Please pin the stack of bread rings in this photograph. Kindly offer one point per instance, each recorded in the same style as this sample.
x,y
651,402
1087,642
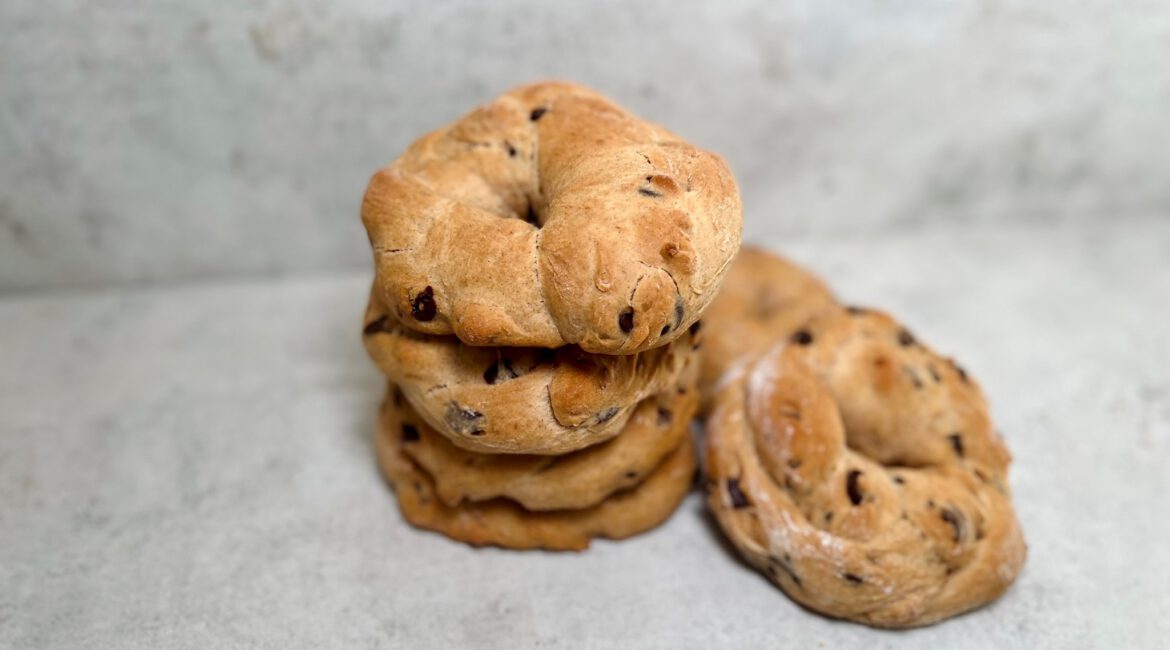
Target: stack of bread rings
x,y
541,266
540,269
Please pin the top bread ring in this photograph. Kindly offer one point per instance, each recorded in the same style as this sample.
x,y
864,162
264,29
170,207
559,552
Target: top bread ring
x,y
550,217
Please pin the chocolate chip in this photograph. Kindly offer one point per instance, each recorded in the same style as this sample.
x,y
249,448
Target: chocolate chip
x,y
679,310
956,444
856,311
423,306
959,369
510,148
492,373
644,191
537,113
409,433
899,480
852,488
802,337
465,420
930,504
631,475
738,499
905,338
828,516
380,325
607,414
695,327
665,329
626,320
664,415
955,519
852,577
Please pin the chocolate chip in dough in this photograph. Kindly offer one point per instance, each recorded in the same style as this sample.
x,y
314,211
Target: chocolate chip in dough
x,y
955,519
905,338
956,443
423,306
738,499
607,414
853,487
802,337
409,433
626,320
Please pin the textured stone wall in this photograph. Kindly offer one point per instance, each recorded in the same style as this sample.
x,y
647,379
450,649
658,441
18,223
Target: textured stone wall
x,y
157,141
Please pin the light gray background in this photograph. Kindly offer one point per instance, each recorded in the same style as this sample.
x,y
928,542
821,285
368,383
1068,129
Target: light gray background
x,y
155,141
185,407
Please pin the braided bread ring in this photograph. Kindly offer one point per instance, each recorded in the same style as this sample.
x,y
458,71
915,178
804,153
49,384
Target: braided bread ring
x,y
521,400
574,481
503,523
551,217
764,298
859,470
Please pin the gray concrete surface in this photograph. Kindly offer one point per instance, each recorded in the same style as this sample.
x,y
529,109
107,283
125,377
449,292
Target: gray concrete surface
x,y
190,467
169,140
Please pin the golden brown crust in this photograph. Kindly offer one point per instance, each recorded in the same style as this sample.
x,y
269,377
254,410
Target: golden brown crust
x,y
764,298
501,522
636,227
573,481
860,471
522,400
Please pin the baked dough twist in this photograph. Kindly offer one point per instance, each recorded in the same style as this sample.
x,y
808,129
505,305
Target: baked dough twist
x,y
573,481
551,217
522,400
501,522
763,299
859,470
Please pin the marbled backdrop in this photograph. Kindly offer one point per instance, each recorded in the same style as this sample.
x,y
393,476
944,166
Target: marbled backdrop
x,y
151,142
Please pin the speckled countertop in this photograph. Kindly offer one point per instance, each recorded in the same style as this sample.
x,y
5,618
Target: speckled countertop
x,y
190,467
